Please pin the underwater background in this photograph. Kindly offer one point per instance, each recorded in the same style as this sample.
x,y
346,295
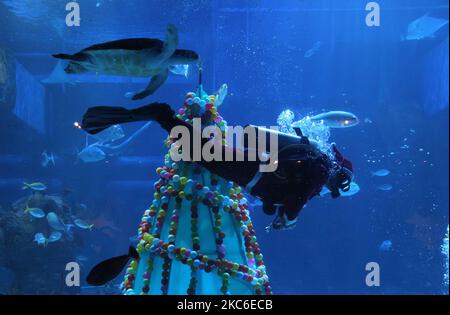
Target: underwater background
x,y
305,56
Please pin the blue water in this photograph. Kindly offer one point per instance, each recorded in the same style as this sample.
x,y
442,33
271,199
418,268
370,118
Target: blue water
x,y
306,56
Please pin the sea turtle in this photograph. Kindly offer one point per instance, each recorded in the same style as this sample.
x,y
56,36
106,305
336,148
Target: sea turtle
x,y
139,57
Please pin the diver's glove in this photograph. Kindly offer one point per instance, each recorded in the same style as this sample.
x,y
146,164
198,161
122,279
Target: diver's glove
x,y
340,179
281,223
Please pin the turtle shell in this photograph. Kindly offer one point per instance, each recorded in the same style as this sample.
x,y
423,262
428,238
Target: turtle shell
x,y
135,44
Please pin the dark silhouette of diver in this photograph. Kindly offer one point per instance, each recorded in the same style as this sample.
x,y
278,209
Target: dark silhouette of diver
x,y
302,169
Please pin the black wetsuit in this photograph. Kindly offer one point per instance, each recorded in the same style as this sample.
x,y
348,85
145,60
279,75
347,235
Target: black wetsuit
x,y
301,173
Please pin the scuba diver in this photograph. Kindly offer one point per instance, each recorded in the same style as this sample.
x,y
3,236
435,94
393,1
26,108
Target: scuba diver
x,y
302,169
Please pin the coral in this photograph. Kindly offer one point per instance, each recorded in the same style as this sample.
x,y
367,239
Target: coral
x,y
40,272
197,236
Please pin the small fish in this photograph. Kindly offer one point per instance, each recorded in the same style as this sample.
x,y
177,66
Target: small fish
x,y
424,27
35,212
129,95
381,172
92,153
337,119
54,237
385,187
83,225
34,186
110,134
40,239
385,246
354,189
47,159
81,258
180,70
109,269
317,45
56,223
221,95
310,52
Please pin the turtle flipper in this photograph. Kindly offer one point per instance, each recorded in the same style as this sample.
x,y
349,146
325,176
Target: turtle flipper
x,y
170,43
169,47
154,84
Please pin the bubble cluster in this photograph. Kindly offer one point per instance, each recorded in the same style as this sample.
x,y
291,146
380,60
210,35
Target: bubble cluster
x,y
314,130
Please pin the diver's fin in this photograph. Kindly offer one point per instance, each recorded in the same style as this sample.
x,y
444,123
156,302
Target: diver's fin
x,y
99,118
154,84
109,269
132,253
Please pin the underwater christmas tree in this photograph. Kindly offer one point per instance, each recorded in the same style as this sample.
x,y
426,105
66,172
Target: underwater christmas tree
x,y
197,236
